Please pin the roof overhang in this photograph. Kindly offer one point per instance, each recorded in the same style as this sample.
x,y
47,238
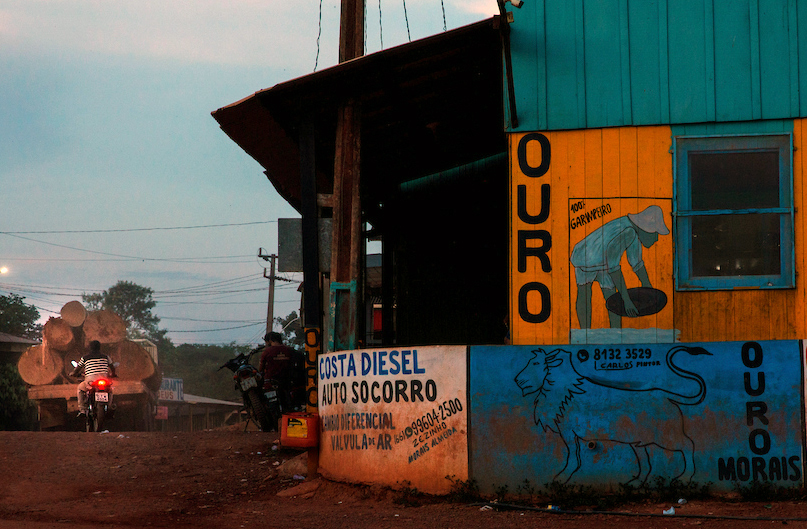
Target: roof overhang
x,y
426,107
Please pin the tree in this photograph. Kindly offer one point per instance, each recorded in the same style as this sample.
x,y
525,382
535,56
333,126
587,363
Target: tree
x,y
17,412
198,366
292,331
19,319
133,303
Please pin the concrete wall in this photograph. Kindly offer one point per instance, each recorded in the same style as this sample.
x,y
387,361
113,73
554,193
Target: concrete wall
x,y
396,417
601,415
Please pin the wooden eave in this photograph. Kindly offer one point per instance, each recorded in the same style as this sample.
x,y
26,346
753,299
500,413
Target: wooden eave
x,y
427,106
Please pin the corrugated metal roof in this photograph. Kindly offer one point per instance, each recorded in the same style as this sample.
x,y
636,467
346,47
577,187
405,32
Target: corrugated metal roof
x,y
427,106
9,338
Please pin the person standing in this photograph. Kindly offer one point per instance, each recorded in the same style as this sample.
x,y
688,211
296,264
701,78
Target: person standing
x,y
282,363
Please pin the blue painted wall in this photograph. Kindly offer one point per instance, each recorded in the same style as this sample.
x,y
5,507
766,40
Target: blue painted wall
x,y
723,412
585,64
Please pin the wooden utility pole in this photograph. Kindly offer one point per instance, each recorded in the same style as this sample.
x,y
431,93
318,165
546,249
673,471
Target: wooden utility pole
x,y
351,30
346,207
346,243
270,305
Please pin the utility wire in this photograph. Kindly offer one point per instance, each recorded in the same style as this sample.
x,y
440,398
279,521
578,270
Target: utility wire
x,y
251,322
222,329
140,229
380,26
258,336
169,303
213,292
196,260
214,288
241,279
319,34
406,17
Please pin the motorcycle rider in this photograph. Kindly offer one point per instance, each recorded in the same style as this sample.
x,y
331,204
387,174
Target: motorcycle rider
x,y
95,365
280,362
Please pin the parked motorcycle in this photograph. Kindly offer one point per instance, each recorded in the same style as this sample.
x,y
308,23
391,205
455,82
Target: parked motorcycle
x,y
260,396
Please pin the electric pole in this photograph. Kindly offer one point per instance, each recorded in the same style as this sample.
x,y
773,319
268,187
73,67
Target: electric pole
x,y
346,252
270,306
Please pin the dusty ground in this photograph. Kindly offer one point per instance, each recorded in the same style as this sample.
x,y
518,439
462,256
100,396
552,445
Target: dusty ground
x,y
235,479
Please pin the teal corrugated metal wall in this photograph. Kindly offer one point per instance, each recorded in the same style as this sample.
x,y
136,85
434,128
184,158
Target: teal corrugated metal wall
x,y
604,63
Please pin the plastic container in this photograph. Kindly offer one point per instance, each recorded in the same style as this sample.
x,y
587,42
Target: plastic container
x,y
299,430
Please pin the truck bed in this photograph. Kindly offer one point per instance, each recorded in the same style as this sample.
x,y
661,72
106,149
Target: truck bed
x,y
68,391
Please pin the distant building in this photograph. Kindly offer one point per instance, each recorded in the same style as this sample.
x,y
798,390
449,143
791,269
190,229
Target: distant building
x,y
11,347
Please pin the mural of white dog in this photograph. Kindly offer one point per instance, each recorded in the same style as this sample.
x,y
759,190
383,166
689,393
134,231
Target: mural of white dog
x,y
578,408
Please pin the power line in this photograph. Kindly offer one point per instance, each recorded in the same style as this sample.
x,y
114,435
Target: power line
x,y
43,296
198,290
380,27
124,230
319,34
212,292
406,17
251,322
170,303
194,260
241,279
221,329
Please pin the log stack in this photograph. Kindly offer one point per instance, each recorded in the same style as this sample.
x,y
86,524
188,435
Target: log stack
x,y
66,339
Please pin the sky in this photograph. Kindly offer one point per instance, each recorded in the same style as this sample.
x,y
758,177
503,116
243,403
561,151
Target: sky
x,y
112,168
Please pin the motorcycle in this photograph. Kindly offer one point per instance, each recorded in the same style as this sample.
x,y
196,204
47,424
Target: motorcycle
x,y
99,404
100,407
260,396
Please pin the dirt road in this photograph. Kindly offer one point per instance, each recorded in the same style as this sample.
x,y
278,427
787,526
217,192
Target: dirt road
x,y
234,479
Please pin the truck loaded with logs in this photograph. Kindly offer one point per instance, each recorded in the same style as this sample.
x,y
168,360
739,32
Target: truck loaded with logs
x,y
65,339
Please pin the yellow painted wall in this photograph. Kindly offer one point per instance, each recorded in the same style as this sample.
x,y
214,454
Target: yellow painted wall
x,y
624,169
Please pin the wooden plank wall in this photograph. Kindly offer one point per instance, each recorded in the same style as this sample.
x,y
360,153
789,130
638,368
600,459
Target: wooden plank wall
x,y
630,168
749,314
613,63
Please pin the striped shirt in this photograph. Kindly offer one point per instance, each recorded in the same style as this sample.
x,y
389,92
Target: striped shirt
x,y
95,364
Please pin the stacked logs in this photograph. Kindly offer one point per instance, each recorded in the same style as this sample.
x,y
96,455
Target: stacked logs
x,y
66,339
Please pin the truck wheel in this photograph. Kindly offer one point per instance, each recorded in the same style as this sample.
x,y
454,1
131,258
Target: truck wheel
x,y
259,412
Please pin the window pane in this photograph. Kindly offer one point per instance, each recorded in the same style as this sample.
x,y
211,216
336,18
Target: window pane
x,y
734,245
734,180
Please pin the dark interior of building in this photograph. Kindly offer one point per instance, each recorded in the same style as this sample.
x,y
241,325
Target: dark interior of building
x,y
434,173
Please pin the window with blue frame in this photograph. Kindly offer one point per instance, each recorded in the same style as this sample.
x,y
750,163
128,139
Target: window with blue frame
x,y
734,212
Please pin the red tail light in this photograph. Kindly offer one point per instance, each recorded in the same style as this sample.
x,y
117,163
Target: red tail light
x,y
101,383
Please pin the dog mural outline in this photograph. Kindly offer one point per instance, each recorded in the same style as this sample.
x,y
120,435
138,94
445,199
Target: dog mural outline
x,y
564,400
